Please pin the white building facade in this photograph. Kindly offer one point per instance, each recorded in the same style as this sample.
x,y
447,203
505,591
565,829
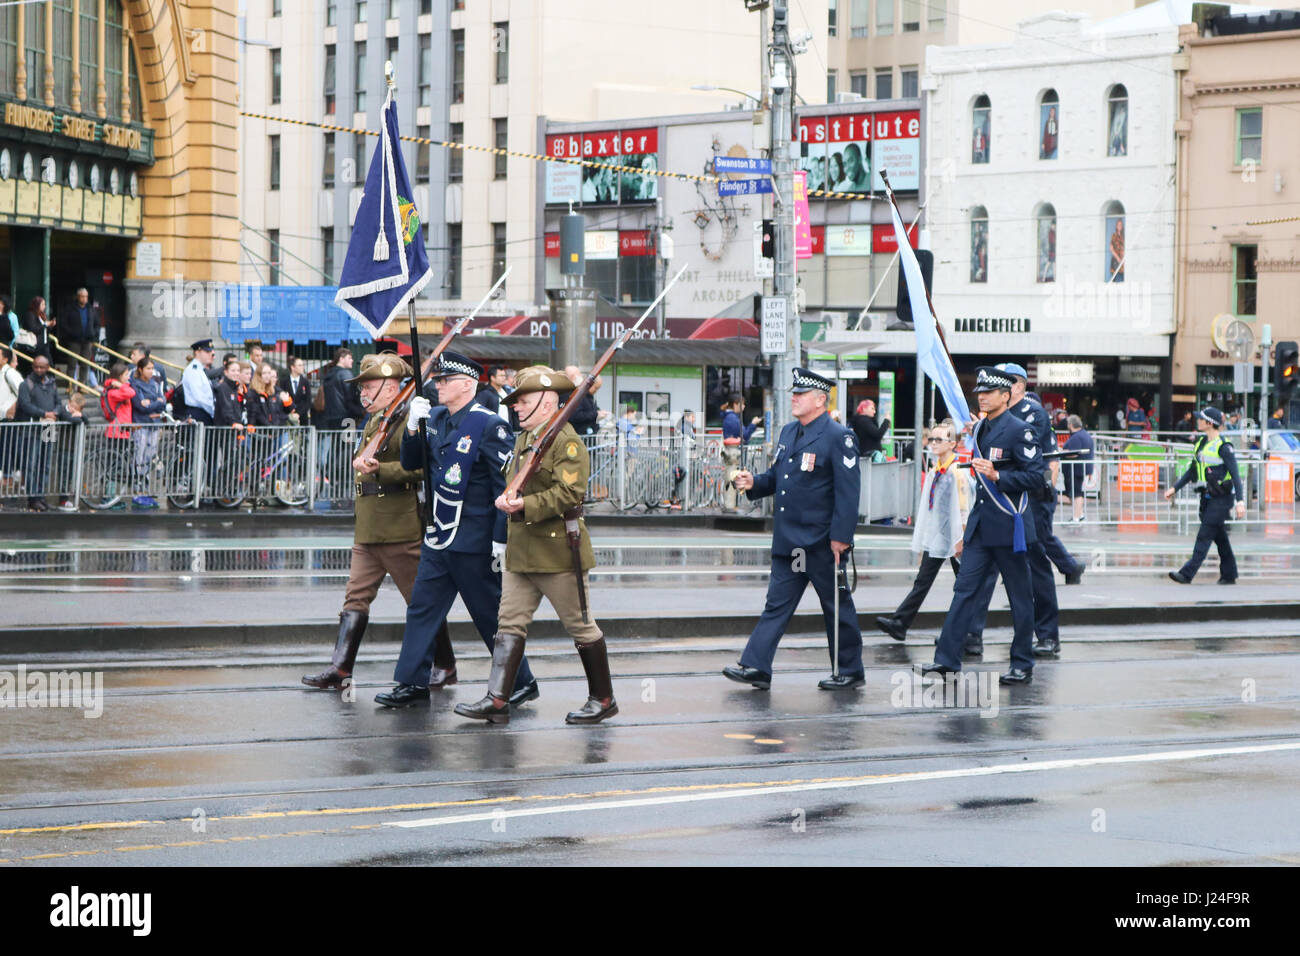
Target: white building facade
x,y
1050,171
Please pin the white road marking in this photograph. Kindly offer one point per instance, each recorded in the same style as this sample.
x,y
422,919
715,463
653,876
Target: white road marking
x,y
851,784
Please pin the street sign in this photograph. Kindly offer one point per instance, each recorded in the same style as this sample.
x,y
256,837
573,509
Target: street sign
x,y
742,164
773,332
1243,376
744,187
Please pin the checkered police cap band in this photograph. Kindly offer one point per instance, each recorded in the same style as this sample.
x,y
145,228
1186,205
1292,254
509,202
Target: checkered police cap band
x,y
806,379
453,366
992,379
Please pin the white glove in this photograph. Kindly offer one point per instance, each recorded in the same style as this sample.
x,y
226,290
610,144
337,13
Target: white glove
x,y
498,549
418,412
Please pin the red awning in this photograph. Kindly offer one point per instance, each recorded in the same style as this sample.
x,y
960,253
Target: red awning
x,y
719,328
508,326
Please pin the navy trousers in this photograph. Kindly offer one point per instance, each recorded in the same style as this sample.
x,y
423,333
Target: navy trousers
x,y
980,566
1214,514
785,587
441,576
1055,550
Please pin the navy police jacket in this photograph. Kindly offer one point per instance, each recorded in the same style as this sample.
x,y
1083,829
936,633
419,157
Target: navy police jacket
x,y
815,480
480,521
1013,447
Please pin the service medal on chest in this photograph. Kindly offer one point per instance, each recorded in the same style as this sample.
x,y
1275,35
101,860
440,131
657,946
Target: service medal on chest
x,y
808,461
463,446
452,477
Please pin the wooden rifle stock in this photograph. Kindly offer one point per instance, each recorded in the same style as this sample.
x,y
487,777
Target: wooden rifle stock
x,y
393,413
533,454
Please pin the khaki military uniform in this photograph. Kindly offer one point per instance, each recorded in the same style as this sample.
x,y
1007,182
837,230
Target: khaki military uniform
x,y
388,528
539,562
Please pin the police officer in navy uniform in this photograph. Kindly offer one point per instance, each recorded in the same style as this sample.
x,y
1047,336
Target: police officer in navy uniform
x,y
467,447
814,479
1008,469
1214,470
1048,550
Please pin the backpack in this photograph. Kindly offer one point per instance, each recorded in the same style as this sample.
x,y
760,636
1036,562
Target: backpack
x,y
104,406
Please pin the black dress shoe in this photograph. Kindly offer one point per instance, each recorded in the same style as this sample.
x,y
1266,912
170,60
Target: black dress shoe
x,y
974,647
893,627
748,675
1016,676
1076,577
937,670
1047,648
1179,577
524,694
843,682
1227,581
441,677
403,695
593,711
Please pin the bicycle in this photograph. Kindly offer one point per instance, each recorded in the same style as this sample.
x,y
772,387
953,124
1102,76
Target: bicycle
x,y
291,492
108,471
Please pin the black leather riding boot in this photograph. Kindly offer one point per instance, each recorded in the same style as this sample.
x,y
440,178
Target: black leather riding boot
x,y
352,624
600,686
507,652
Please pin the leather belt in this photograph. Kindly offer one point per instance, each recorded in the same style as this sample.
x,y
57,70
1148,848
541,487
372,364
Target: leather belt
x,y
367,488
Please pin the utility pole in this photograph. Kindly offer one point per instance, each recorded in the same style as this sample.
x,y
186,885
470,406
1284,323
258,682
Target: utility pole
x,y
1265,342
783,284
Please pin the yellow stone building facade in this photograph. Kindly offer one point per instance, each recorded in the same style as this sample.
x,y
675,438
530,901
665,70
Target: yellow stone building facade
x,y
119,157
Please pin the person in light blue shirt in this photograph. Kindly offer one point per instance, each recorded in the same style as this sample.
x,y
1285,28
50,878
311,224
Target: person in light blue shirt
x,y
196,384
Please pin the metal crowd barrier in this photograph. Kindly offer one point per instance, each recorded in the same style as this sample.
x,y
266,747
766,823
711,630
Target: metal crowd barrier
x,y
40,459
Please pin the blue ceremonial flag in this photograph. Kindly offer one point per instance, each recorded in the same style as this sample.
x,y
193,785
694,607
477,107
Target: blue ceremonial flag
x,y
930,353
386,265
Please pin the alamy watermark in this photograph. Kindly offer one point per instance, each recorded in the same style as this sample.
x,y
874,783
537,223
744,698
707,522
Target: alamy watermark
x,y
83,690
207,300
967,690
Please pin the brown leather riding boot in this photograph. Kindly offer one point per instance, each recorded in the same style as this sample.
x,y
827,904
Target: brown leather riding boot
x,y
507,652
443,673
352,624
600,686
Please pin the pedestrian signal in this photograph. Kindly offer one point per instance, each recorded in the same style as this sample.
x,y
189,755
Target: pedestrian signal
x,y
1286,373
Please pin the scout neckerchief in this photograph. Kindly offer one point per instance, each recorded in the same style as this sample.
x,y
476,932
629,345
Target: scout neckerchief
x,y
1000,500
939,472
457,464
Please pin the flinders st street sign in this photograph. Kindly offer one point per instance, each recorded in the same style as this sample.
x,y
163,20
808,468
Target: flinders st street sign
x,y
67,171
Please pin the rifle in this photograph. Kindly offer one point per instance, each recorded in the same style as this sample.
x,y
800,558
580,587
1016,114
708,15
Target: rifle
x,y
393,414
531,459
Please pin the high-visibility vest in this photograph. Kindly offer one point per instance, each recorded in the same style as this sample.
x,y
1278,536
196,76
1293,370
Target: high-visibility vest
x,y
1209,460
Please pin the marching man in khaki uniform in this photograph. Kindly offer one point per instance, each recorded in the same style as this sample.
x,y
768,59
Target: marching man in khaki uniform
x,y
388,525
548,554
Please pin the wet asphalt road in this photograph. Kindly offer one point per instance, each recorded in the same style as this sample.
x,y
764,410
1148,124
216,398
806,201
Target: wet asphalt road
x,y
1153,746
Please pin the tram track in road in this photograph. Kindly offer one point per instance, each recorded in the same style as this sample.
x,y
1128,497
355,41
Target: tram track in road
x,y
781,762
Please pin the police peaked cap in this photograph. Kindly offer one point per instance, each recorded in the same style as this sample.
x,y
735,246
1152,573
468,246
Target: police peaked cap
x,y
806,380
538,378
202,345
990,378
453,363
1211,415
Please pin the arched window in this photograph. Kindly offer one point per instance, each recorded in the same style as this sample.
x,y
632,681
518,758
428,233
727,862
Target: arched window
x,y
1117,123
981,114
1115,234
1049,125
1045,241
979,244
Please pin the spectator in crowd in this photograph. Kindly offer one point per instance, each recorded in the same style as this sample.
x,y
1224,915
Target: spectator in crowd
x,y
1135,419
147,407
11,380
141,351
584,415
510,379
1278,418
343,408
497,379
733,436
217,373
630,429
682,471
119,398
228,398
296,383
268,405
1186,423
870,432
1074,471
81,326
74,406
9,325
38,401
39,325
1060,421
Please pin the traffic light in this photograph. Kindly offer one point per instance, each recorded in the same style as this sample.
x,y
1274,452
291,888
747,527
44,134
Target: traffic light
x,y
769,239
1286,373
